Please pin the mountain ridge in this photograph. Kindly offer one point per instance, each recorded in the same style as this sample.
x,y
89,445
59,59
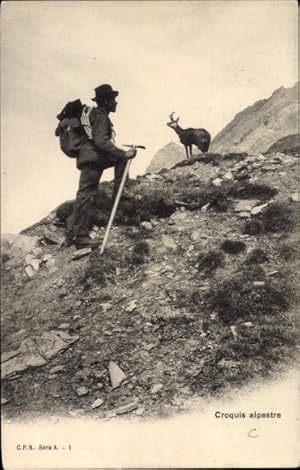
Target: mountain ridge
x,y
260,125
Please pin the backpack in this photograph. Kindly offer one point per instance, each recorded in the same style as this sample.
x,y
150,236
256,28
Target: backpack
x,y
74,128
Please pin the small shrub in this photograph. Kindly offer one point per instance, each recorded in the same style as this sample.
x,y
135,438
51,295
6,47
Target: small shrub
x,y
233,247
255,191
257,256
242,176
288,251
251,273
212,158
220,203
235,156
209,262
196,196
239,298
252,227
278,217
142,248
140,251
99,269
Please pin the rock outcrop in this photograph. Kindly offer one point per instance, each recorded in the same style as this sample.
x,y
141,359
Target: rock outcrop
x,y
289,144
259,126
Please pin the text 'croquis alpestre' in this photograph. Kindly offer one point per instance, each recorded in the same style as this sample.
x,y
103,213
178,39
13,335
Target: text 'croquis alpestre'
x,y
251,415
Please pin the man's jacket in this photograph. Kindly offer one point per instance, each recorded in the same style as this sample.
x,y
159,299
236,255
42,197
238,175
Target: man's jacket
x,y
101,148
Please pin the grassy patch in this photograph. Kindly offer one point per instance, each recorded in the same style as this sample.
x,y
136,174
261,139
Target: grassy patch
x,y
288,251
214,159
140,252
189,298
253,191
278,217
258,351
252,227
233,247
257,256
101,268
209,262
196,195
239,297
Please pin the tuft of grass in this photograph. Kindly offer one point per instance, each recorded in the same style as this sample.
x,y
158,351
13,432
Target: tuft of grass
x,y
196,196
278,217
101,268
212,158
239,297
252,227
253,191
266,347
140,251
220,202
233,247
288,251
209,262
257,256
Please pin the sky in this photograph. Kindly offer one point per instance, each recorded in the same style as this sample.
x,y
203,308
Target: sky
x,y
205,60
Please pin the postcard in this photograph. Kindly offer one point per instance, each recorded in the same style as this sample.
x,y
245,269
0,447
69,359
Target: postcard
x,y
149,247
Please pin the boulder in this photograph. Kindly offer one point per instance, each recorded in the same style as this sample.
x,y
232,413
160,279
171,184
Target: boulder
x,y
117,376
82,391
156,388
295,197
245,205
127,408
217,182
22,245
258,209
30,271
97,403
168,242
81,253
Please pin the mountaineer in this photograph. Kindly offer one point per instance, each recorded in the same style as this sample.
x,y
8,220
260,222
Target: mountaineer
x,y
95,155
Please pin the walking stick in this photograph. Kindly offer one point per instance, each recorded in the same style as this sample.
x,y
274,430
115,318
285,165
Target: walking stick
x,y
117,200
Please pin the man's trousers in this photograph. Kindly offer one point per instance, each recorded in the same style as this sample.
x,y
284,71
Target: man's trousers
x,y
90,176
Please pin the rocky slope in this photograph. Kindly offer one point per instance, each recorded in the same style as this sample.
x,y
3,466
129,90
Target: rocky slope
x,y
259,126
195,294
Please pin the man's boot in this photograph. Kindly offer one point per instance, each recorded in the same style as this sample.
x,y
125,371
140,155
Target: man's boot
x,y
86,243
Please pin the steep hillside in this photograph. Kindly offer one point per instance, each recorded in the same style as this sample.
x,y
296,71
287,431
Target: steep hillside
x,y
195,294
167,157
259,126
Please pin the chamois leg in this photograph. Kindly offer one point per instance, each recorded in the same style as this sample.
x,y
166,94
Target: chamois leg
x,y
187,152
191,148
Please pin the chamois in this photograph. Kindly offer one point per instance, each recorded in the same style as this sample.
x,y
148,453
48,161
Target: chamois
x,y
189,137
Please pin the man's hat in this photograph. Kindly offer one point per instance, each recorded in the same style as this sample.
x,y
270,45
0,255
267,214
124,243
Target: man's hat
x,y
104,91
